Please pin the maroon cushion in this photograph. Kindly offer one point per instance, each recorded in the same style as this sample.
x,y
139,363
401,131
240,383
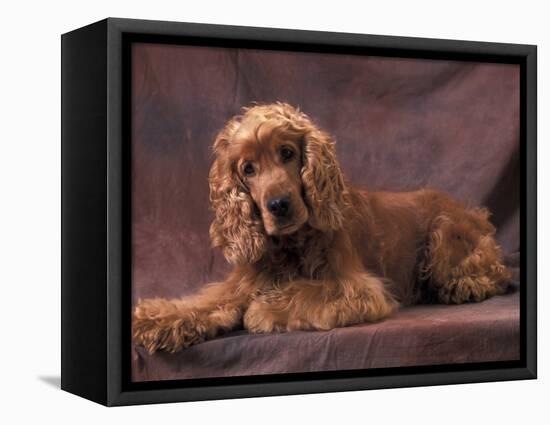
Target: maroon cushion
x,y
419,335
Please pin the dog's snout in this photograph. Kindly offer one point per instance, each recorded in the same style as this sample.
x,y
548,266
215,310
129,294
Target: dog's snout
x,y
279,206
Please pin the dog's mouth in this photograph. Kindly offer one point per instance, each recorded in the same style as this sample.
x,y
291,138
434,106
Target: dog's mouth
x,y
279,229
286,229
286,226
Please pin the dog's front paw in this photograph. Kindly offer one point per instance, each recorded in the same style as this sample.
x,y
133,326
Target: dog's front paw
x,y
260,319
158,324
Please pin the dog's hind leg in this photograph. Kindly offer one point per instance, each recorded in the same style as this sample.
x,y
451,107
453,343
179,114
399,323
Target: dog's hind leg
x,y
464,262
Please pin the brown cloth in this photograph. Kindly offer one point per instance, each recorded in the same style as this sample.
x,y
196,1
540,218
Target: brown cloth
x,y
418,335
400,124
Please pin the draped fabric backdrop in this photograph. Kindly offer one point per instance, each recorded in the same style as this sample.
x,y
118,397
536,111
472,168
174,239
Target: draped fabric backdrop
x,y
400,124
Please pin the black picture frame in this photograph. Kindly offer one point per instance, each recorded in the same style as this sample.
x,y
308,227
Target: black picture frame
x,y
96,211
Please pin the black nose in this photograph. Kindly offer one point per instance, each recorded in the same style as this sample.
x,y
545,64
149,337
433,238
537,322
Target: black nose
x,y
278,206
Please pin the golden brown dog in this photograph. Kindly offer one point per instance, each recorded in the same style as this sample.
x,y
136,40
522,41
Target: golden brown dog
x,y
312,252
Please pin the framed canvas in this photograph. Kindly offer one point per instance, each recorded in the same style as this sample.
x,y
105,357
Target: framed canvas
x,y
253,212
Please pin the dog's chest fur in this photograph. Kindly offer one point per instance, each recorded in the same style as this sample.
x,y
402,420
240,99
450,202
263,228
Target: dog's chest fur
x,y
300,255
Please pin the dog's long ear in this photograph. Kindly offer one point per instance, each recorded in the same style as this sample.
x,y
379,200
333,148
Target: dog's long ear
x,y
237,227
324,187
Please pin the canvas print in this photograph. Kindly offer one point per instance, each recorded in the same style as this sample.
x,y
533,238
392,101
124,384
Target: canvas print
x,y
298,212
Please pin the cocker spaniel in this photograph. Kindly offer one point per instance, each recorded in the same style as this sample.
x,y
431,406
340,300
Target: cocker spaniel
x,y
312,252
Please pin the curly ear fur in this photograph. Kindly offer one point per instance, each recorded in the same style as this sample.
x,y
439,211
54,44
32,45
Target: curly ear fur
x,y
323,181
236,228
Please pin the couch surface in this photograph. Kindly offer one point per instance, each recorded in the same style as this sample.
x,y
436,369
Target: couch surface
x,y
415,336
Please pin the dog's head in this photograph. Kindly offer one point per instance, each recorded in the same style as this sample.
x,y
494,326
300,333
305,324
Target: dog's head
x,y
274,172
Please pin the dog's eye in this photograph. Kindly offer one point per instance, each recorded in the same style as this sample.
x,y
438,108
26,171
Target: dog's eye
x,y
287,154
248,169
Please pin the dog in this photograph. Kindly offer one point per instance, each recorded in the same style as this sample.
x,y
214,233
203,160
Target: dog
x,y
312,252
